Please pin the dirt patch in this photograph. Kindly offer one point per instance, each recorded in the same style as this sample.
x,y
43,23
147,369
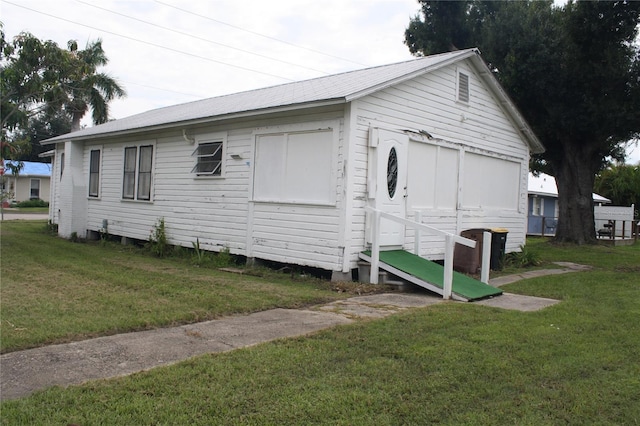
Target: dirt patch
x,y
359,289
627,268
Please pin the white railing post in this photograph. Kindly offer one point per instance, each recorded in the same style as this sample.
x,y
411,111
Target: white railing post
x,y
450,241
375,248
448,267
486,256
416,244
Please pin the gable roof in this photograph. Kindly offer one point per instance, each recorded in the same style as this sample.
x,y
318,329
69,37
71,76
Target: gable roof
x,y
31,168
332,89
545,185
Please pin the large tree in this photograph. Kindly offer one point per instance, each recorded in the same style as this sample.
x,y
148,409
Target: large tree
x,y
574,72
40,127
84,88
29,68
42,81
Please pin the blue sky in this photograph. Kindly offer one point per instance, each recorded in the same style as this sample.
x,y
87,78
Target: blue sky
x,y
166,52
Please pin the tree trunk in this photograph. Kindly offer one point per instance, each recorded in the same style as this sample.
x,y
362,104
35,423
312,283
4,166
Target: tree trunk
x,y
75,121
575,178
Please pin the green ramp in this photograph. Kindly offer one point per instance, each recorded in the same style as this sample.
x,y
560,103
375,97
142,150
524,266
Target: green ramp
x,y
430,275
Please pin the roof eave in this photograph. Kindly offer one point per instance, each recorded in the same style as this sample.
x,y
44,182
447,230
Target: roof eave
x,y
193,122
543,194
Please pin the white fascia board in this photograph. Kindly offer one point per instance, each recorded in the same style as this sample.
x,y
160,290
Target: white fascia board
x,y
187,123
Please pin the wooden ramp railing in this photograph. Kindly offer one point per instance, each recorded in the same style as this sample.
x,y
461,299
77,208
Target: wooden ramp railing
x,y
450,241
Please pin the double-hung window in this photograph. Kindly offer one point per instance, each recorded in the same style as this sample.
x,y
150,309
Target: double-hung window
x,y
209,155
538,207
35,189
138,163
94,173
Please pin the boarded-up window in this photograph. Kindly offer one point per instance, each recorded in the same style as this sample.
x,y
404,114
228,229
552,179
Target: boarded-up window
x,y
94,173
490,183
433,176
296,167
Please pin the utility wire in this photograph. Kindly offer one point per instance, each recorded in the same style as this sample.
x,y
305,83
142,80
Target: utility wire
x,y
200,38
164,90
260,35
150,43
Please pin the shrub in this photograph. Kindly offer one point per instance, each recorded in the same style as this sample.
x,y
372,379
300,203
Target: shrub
x,y
33,203
158,244
199,255
523,259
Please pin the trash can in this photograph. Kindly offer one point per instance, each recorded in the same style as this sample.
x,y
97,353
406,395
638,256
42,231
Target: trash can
x,y
466,259
498,247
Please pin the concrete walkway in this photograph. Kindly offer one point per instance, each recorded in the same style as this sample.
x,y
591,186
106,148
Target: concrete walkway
x,y
566,267
8,215
24,372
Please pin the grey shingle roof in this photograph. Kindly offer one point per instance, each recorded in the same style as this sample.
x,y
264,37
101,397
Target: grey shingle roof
x,y
338,88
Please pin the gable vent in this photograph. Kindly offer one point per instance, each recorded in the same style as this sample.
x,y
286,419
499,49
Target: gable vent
x,y
463,87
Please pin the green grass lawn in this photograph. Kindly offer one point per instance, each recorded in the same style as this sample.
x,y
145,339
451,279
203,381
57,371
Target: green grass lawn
x,y
576,362
55,291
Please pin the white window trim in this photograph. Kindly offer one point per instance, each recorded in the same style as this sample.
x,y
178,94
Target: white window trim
x,y
459,72
210,138
137,145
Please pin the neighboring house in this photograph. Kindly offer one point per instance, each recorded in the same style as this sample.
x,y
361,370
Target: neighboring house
x,y
285,173
31,183
543,204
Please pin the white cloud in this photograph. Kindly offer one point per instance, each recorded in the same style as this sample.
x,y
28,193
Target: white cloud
x,y
159,65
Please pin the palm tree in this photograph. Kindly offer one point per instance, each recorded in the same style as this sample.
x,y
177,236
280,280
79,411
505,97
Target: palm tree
x,y
621,184
83,88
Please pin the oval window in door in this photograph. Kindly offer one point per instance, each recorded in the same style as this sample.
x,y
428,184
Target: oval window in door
x,y
392,172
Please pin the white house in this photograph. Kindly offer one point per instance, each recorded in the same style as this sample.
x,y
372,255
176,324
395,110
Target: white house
x,y
285,173
31,183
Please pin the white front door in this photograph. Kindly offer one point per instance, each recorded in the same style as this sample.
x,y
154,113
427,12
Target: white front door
x,y
390,177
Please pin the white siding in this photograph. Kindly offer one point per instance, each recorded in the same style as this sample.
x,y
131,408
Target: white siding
x,y
221,212
218,210
305,235
479,129
54,203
